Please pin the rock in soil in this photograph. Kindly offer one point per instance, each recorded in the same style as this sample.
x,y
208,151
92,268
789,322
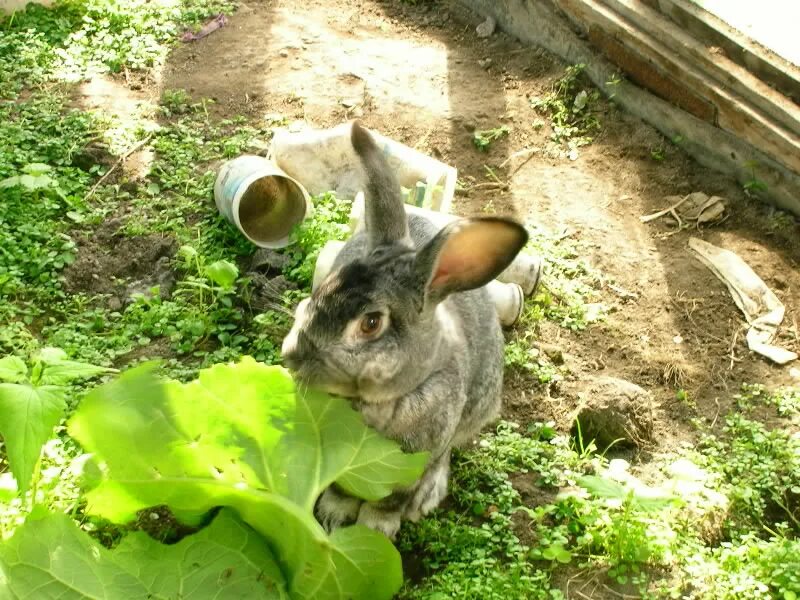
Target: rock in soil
x,y
268,262
162,276
486,29
268,292
612,410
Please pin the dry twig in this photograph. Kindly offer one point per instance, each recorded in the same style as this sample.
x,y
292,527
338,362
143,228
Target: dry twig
x,y
661,213
121,160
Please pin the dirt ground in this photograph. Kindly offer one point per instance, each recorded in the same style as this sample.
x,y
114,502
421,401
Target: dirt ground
x,y
420,74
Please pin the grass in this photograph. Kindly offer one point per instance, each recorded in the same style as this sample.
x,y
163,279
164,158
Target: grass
x,y
530,508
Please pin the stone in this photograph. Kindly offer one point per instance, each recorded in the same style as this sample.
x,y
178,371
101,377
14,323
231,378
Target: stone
x,y
268,262
486,29
613,410
267,292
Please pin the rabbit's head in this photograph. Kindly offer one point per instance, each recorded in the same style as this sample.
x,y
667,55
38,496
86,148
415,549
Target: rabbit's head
x,y
373,329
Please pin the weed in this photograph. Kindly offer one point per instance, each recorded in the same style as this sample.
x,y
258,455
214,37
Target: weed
x,y
473,550
761,470
482,139
780,220
658,153
612,83
753,185
684,398
570,107
520,355
330,222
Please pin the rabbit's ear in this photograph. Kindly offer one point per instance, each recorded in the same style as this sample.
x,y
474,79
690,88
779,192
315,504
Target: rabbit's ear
x,y
467,254
386,220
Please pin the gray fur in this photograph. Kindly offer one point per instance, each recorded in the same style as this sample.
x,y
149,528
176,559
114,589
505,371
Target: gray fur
x,y
434,377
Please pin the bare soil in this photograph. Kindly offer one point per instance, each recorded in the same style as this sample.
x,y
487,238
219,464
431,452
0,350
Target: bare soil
x,y
108,263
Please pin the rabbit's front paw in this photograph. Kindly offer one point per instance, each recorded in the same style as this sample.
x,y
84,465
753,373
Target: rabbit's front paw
x,y
380,519
335,508
429,494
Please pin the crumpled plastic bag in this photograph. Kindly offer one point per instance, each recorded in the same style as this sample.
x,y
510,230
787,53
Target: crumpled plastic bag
x,y
761,307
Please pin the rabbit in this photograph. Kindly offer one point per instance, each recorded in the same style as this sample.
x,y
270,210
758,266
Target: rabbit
x,y
403,327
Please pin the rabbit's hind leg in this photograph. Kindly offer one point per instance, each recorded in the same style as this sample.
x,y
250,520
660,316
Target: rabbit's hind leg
x,y
336,508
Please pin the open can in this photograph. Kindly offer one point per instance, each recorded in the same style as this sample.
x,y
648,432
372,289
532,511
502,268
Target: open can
x,y
261,200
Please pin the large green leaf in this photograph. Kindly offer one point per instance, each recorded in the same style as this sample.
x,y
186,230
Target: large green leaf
x,y
223,273
31,404
240,436
57,370
27,417
50,558
13,369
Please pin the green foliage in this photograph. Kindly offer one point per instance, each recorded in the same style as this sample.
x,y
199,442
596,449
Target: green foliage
x,y
38,140
32,402
758,568
329,222
570,107
753,185
519,355
473,549
239,436
761,468
50,557
98,36
484,138
34,178
511,521
631,530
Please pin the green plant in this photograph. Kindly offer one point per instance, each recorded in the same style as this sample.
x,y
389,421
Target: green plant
x,y
482,139
569,104
32,402
761,470
753,185
473,549
329,222
177,102
634,531
658,153
50,552
519,355
240,436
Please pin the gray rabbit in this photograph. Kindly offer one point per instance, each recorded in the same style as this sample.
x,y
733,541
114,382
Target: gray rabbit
x,y
403,327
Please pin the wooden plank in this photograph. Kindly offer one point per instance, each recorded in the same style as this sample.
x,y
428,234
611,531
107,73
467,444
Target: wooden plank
x,y
733,114
772,69
540,22
713,64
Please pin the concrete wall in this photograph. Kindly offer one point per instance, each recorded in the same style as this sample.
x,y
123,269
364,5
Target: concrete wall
x,y
543,22
9,6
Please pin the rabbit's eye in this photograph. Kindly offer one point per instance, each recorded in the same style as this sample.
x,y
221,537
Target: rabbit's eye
x,y
371,323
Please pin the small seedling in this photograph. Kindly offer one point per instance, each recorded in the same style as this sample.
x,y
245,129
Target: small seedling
x,y
753,185
658,153
482,139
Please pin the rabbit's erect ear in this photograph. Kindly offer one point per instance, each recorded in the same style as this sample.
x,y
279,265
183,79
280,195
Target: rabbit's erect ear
x,y
384,211
468,254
